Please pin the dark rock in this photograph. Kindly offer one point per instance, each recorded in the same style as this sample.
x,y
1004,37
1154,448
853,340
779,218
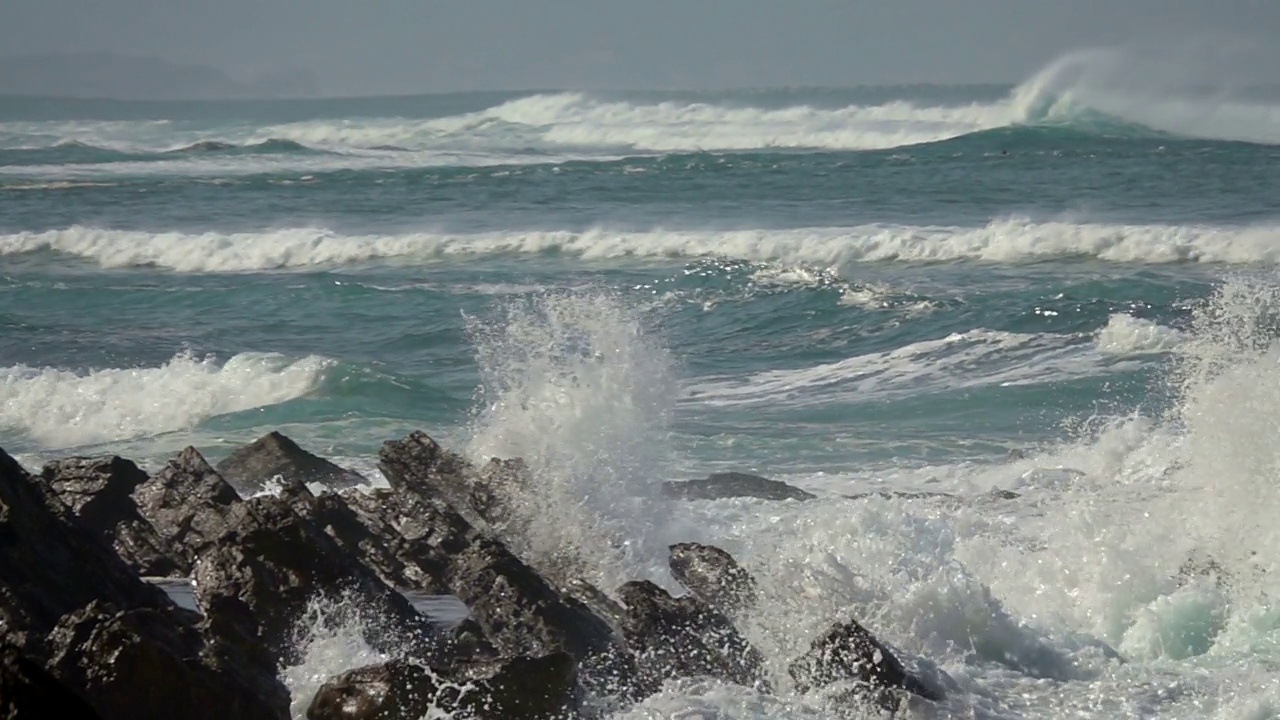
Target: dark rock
x,y
902,495
520,612
521,688
684,637
849,652
188,503
713,576
27,690
1005,494
355,521
100,493
146,663
250,467
731,485
259,576
49,565
417,465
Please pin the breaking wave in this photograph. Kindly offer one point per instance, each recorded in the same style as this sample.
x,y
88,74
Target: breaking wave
x,y
1009,240
62,408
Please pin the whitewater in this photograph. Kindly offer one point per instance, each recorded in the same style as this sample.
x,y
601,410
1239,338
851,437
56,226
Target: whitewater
x,y
1063,290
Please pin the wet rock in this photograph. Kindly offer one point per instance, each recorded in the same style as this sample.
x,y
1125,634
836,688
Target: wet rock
x,y
731,485
712,576
419,466
902,495
147,663
188,503
684,637
355,521
100,493
49,565
849,652
522,688
27,690
249,468
258,577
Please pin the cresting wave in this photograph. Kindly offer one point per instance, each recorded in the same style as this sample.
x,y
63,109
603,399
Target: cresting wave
x,y
61,408
1010,240
1080,90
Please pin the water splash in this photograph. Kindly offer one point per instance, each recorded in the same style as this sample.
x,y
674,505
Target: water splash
x,y
576,384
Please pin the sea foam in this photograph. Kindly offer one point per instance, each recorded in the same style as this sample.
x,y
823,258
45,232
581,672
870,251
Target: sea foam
x,y
1004,240
62,408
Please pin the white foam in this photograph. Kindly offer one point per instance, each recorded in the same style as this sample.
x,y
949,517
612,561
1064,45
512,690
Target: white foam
x,y
970,359
62,408
1127,335
1010,240
573,382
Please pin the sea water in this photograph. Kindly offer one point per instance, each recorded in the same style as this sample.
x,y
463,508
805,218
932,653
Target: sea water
x,y
1066,289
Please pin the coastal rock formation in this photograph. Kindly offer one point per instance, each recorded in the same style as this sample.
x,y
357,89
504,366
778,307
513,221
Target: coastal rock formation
x,y
250,467
712,576
718,486
100,493
27,690
86,637
683,637
520,688
849,652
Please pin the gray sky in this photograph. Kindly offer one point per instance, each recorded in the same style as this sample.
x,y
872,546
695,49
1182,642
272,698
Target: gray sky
x,y
374,46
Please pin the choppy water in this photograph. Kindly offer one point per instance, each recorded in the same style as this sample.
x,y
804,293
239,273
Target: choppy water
x,y
844,289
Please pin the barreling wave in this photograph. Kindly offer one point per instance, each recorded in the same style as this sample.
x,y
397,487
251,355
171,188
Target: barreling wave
x,y
1008,240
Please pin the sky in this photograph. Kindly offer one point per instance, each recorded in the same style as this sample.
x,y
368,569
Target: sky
x,y
405,46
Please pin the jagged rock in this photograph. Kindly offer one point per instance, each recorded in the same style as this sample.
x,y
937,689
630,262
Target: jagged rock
x,y
849,652
713,576
146,663
100,493
684,637
731,485
354,519
417,465
261,573
49,565
521,688
188,503
27,690
249,468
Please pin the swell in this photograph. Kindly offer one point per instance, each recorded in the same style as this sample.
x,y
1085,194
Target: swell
x,y
1001,241
73,151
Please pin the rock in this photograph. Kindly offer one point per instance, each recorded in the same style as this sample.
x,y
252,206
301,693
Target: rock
x,y
521,688
849,652
249,468
713,576
259,576
519,612
27,690
417,465
188,503
100,493
49,565
146,663
731,485
684,637
902,495
355,521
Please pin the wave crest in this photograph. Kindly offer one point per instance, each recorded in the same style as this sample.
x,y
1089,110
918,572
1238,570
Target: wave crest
x,y
1008,240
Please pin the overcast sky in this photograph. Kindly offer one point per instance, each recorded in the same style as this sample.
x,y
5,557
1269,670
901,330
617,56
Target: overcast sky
x,y
396,46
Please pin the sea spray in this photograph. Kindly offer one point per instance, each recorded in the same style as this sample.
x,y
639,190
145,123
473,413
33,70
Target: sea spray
x,y
576,384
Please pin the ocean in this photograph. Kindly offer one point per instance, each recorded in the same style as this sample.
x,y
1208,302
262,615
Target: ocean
x,y
1055,289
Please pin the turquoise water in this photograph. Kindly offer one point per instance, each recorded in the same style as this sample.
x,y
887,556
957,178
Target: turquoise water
x,y
846,289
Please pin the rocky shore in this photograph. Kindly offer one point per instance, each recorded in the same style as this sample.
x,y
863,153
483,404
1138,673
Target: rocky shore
x,y
86,635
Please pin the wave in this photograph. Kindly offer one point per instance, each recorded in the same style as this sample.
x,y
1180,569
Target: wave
x,y
1128,335
1089,92
1011,240
61,408
974,358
